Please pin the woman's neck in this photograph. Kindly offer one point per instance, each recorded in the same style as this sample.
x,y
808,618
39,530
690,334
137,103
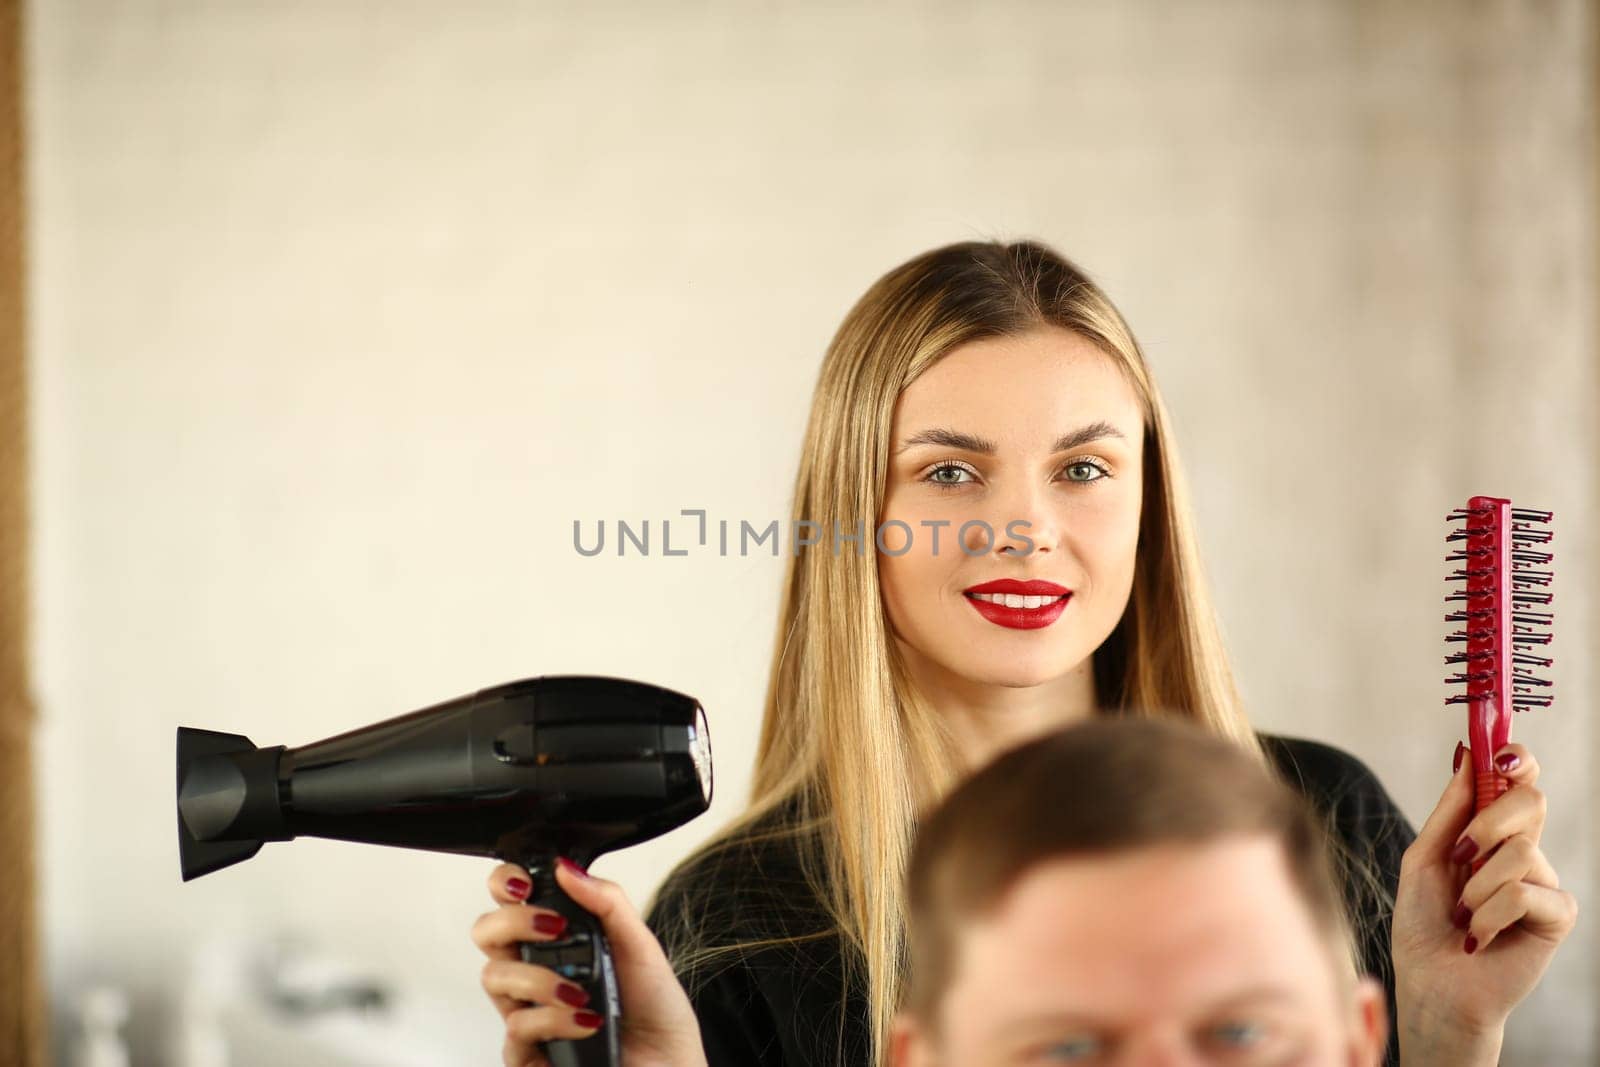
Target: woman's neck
x,y
986,719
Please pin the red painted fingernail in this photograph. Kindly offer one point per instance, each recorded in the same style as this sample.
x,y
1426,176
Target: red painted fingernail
x,y
587,1019
546,923
573,867
1507,762
568,993
1472,945
1455,763
1465,849
518,887
1462,917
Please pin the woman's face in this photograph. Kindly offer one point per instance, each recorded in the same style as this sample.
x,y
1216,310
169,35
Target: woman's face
x,y
1039,437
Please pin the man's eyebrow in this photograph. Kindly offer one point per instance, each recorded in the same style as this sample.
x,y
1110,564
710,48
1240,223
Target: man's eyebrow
x,y
1061,1020
967,442
1049,1019
1265,993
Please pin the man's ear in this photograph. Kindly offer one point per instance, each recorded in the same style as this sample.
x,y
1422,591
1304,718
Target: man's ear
x,y
908,1043
1369,1024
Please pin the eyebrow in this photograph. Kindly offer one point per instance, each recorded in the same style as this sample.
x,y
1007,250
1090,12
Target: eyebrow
x,y
967,442
1034,1024
1264,994
1261,994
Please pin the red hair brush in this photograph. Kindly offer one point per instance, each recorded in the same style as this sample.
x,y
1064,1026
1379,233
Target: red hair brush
x,y
1504,559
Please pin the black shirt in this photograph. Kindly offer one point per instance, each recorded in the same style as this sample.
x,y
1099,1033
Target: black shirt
x,y
781,1006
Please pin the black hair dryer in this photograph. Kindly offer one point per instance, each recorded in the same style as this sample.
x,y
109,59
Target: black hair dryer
x,y
561,765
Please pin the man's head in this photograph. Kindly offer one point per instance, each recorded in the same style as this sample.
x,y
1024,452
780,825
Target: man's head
x,y
1129,891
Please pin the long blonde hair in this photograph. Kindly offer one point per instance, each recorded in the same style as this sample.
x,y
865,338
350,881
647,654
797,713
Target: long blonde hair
x,y
847,743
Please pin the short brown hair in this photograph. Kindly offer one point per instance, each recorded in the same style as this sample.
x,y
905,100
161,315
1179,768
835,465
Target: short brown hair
x,y
1107,785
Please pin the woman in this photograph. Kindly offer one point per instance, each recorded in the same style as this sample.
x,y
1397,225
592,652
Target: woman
x,y
986,417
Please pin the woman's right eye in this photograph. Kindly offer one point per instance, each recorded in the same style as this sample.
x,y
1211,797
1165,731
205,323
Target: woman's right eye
x,y
949,474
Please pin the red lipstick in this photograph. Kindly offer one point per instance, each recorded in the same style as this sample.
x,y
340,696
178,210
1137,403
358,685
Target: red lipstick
x,y
1051,600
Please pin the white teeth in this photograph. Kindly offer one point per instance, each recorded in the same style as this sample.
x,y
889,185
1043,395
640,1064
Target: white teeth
x,y
1014,600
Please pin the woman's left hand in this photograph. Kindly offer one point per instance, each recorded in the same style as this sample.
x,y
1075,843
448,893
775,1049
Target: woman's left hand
x,y
1469,947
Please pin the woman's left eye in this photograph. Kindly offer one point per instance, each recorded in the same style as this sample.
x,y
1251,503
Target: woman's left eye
x,y
1084,470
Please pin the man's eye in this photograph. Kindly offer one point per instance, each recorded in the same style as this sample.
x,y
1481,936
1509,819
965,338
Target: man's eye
x,y
1238,1033
1072,1050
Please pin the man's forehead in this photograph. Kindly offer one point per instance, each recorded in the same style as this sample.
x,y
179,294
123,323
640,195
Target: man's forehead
x,y
1174,923
1129,877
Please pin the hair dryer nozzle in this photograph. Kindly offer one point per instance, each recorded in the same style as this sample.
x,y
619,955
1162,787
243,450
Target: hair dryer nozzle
x,y
227,800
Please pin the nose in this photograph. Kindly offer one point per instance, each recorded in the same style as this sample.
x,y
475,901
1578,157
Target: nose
x,y
1020,523
1018,539
1161,1047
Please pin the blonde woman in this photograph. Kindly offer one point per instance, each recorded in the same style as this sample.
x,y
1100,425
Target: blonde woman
x,y
986,428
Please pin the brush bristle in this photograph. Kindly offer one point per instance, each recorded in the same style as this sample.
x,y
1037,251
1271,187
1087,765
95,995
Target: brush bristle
x,y
1501,552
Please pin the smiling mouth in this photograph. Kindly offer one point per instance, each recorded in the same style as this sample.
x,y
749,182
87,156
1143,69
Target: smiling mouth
x,y
1019,611
1015,600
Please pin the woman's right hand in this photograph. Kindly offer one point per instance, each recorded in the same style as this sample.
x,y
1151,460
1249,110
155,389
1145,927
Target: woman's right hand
x,y
658,1025
1458,976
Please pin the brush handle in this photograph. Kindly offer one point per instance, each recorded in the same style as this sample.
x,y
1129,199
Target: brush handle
x,y
582,956
1488,731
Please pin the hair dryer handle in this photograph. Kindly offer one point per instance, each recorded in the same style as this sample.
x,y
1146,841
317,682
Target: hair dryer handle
x,y
582,955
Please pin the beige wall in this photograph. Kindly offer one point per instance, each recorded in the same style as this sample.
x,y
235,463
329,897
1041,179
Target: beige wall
x,y
344,312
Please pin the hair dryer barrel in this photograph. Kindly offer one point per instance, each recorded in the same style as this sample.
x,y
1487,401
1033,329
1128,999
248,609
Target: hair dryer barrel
x,y
569,765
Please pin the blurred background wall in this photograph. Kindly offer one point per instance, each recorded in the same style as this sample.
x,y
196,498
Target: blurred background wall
x,y
342,313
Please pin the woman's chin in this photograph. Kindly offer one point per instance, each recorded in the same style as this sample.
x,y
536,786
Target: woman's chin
x,y
1014,672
